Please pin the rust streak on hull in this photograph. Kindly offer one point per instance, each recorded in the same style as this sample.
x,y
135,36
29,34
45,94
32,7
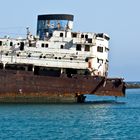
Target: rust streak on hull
x,y
18,86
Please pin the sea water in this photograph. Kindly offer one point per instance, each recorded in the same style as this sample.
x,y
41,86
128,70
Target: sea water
x,y
92,121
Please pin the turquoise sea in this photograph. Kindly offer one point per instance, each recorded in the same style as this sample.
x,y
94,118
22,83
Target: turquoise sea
x,y
91,121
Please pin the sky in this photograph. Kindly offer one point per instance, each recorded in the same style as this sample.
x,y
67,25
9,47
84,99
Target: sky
x,y
119,19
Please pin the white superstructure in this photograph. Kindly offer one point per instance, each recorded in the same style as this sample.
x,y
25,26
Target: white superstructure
x,y
62,49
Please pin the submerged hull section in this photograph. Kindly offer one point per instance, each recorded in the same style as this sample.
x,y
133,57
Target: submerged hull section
x,y
25,87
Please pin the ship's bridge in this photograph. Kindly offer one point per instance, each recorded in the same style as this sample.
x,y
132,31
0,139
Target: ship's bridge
x,y
46,24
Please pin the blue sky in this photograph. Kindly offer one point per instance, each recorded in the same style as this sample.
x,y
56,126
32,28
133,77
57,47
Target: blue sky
x,y
119,19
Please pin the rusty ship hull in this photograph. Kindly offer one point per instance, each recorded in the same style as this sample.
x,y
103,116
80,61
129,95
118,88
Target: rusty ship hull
x,y
25,87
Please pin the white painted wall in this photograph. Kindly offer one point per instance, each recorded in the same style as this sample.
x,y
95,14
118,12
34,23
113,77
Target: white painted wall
x,y
54,51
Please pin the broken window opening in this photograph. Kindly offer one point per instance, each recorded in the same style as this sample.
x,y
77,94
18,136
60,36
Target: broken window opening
x,y
100,35
21,46
100,60
46,45
42,45
89,40
82,35
11,43
62,46
61,34
0,43
86,36
87,48
74,35
78,47
106,37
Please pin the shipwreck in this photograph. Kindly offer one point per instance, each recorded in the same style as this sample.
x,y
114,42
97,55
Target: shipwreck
x,y
56,65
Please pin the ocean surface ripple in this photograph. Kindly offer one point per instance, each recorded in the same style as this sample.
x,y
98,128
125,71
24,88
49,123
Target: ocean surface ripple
x,y
91,121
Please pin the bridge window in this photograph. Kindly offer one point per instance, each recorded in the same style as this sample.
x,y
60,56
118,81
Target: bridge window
x,y
100,49
78,47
